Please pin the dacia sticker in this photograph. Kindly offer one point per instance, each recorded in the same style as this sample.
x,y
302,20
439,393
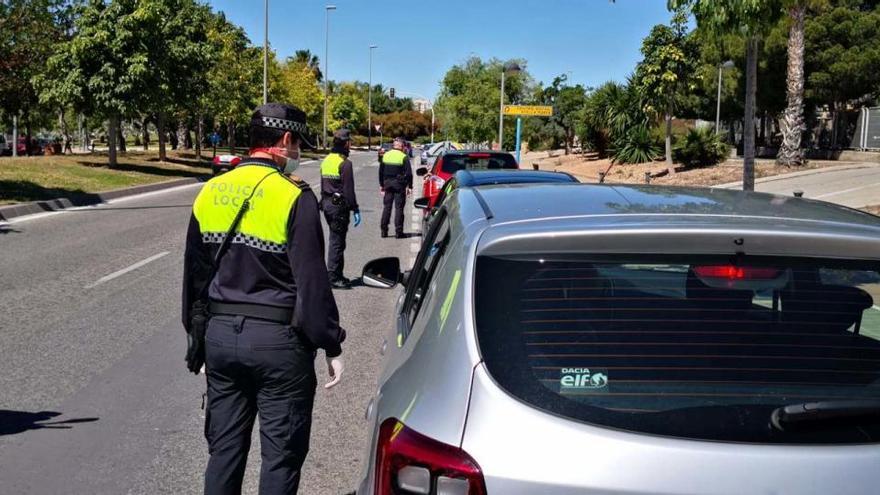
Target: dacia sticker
x,y
582,380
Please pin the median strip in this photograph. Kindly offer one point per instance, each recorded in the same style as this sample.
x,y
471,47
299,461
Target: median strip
x,y
119,273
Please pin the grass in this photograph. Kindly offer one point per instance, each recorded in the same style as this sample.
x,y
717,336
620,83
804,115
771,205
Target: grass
x,y
72,176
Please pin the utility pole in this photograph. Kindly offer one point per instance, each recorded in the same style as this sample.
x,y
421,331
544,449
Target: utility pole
x,y
726,65
266,56
370,102
327,10
15,134
513,68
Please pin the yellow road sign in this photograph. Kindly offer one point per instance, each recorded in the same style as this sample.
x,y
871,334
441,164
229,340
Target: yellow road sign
x,y
532,111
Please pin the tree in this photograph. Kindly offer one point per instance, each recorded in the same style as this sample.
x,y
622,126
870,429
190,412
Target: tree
x,y
348,109
752,19
665,72
408,124
308,59
296,83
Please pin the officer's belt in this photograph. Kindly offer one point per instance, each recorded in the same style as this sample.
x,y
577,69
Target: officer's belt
x,y
259,311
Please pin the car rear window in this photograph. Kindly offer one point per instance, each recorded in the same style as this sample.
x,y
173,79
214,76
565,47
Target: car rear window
x,y
696,347
478,161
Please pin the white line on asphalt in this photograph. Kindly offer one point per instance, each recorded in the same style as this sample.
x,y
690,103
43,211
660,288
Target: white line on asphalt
x,y
119,273
845,191
877,307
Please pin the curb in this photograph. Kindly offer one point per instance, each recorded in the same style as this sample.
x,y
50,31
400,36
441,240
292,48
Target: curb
x,y
801,173
86,199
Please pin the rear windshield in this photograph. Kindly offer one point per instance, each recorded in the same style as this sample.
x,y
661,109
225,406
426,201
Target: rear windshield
x,y
480,161
702,348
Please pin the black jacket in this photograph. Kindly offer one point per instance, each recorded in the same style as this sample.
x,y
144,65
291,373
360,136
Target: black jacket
x,y
344,185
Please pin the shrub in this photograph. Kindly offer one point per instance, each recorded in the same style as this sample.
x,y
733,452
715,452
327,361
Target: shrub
x,y
700,148
636,146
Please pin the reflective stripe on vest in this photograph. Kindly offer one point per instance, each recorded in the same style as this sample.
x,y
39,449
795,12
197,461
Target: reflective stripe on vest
x,y
264,225
394,158
330,167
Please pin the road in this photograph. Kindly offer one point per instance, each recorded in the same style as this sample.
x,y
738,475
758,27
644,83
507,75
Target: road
x,y
94,395
853,186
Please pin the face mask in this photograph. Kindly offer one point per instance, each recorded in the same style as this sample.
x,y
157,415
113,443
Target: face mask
x,y
291,165
291,158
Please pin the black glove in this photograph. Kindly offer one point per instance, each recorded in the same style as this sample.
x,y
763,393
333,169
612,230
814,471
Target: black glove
x,y
195,337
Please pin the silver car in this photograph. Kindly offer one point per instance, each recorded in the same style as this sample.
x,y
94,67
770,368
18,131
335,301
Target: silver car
x,y
585,339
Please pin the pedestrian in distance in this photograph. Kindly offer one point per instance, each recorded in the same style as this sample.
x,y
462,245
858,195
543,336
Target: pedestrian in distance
x,y
338,201
257,305
395,183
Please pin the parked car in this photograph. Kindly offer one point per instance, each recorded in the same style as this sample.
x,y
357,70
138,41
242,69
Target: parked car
x,y
469,178
560,339
224,163
425,148
382,149
451,162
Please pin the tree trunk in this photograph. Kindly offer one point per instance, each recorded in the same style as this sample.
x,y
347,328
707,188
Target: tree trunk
x,y
749,118
145,132
121,134
28,145
160,127
791,153
182,138
231,130
199,133
62,124
111,138
669,165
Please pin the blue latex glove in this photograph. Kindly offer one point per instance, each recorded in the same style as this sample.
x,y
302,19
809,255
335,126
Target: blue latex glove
x,y
357,218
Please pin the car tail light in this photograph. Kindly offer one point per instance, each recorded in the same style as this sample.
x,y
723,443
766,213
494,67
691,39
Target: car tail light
x,y
731,272
408,462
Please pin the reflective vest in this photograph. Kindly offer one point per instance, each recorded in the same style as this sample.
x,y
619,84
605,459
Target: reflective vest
x,y
264,225
330,167
394,158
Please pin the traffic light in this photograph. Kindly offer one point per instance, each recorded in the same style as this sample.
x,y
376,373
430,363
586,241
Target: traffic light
x,y
391,92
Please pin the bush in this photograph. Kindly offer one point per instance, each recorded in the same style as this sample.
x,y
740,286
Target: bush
x,y
700,148
636,146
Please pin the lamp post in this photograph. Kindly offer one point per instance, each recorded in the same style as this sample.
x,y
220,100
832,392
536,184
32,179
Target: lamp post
x,y
266,55
370,102
512,68
327,10
726,65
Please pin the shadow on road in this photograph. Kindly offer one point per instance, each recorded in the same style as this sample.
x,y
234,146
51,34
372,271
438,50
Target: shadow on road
x,y
6,229
148,169
119,208
24,191
13,422
410,235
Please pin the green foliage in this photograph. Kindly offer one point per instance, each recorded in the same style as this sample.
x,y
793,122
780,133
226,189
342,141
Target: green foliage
x,y
348,109
701,148
409,124
295,82
637,145
235,79
568,103
663,76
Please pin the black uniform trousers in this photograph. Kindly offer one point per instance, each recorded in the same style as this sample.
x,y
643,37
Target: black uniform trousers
x,y
395,194
337,221
257,366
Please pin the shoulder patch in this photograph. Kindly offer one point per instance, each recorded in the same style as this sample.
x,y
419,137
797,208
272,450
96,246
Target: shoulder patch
x,y
297,181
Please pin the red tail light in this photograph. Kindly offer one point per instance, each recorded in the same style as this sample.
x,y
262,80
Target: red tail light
x,y
730,272
479,155
408,462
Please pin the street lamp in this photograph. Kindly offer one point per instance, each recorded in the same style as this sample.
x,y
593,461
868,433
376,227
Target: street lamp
x,y
327,10
512,68
370,102
726,65
266,56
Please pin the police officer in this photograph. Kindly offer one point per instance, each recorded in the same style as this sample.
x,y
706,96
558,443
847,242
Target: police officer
x,y
271,307
395,182
338,200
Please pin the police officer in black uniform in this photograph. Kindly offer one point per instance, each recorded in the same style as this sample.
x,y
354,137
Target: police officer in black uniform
x,y
395,182
269,309
338,201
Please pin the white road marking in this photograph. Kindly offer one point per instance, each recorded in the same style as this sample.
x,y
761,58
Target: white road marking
x,y
877,307
119,273
845,191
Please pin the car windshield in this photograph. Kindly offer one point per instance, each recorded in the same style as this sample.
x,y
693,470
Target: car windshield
x,y
477,161
688,347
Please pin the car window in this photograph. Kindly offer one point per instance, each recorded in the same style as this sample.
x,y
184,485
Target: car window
x,y
450,186
427,261
478,161
696,348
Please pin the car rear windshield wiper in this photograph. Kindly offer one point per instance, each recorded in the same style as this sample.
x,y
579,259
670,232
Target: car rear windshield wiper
x,y
824,412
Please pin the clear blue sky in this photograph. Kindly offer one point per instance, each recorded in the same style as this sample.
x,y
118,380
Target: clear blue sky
x,y
419,40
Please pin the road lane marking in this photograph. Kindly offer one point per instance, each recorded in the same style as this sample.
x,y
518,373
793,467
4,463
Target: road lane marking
x,y
122,272
877,307
845,191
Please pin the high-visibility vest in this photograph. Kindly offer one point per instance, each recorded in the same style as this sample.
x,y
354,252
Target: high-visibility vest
x,y
394,158
332,165
264,225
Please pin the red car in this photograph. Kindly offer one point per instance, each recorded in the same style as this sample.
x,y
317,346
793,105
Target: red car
x,y
224,163
451,162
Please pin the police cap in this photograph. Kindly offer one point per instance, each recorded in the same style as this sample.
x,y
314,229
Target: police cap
x,y
283,117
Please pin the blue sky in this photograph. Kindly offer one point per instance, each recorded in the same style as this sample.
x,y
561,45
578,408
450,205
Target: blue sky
x,y
593,40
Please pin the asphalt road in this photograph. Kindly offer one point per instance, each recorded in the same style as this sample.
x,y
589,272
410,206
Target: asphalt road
x,y
94,395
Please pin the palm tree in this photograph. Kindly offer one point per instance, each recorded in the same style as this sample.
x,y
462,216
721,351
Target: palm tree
x,y
307,58
791,153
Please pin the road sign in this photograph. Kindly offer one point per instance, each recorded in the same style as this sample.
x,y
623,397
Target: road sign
x,y
529,110
378,127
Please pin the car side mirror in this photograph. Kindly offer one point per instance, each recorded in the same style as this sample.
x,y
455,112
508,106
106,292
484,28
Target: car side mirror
x,y
422,203
422,171
382,273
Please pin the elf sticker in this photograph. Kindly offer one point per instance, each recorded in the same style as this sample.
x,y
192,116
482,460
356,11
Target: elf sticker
x,y
583,379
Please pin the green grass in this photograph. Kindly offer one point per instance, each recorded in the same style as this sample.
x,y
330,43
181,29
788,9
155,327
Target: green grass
x,y
74,176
